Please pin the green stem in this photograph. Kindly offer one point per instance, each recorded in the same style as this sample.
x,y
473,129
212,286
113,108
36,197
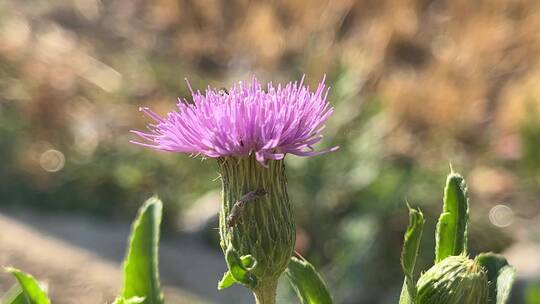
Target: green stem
x,y
265,293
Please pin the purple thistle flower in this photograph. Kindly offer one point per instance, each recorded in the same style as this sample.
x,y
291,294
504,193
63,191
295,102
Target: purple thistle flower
x,y
243,121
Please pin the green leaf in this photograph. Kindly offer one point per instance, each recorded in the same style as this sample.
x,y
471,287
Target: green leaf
x,y
451,235
238,269
505,281
411,244
228,280
33,293
500,275
134,300
307,282
405,297
14,295
141,274
248,261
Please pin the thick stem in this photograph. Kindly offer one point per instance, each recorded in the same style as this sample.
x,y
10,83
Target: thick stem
x,y
266,293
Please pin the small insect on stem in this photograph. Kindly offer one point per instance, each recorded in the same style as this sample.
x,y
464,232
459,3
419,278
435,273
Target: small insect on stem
x,y
238,207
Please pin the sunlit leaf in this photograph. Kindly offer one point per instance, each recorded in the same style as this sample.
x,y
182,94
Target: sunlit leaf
x,y
134,300
307,282
238,270
14,295
451,235
411,244
141,274
228,280
32,292
500,275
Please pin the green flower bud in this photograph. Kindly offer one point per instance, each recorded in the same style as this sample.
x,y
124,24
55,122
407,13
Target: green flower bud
x,y
454,280
256,218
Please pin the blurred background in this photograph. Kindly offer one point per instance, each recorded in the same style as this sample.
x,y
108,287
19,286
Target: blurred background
x,y
416,85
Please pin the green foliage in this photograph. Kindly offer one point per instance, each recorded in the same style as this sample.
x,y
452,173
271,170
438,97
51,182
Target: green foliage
x,y
141,274
451,235
14,295
411,244
454,278
239,270
405,297
31,291
248,262
227,281
307,282
134,300
500,275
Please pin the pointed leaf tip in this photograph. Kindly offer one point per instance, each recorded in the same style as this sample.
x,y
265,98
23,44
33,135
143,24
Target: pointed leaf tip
x,y
411,245
141,274
227,281
32,292
307,282
451,233
14,295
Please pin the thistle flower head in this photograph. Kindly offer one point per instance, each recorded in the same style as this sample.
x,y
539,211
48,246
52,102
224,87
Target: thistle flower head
x,y
244,120
454,280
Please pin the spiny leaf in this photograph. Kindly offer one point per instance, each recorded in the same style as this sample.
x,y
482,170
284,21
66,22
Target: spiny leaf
x,y
238,270
307,282
451,235
411,244
141,274
248,261
33,293
500,275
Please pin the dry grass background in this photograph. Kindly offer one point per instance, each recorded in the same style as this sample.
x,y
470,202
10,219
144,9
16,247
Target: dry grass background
x,y
457,80
459,68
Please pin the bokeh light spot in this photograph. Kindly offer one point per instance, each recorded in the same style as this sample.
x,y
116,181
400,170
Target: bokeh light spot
x,y
501,216
52,160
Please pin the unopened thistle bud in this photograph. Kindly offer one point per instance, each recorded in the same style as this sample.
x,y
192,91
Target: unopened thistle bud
x,y
265,227
454,280
249,130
